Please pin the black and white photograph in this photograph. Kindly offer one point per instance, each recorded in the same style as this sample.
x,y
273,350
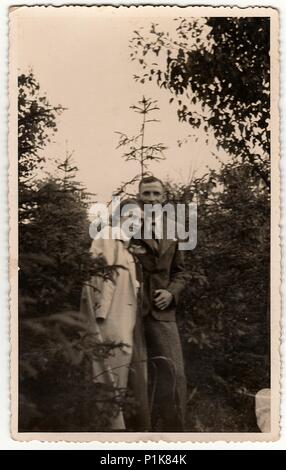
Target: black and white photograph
x,y
144,223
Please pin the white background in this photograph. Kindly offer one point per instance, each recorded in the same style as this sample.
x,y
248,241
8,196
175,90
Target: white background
x,y
5,440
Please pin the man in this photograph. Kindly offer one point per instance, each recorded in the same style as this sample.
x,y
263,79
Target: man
x,y
164,278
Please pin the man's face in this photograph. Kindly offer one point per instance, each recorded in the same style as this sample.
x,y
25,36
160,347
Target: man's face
x,y
151,193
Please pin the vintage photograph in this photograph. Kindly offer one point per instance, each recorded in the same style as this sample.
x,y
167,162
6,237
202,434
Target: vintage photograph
x,y
144,223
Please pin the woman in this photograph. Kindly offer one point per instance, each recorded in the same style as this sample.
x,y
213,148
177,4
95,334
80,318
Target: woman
x,y
112,306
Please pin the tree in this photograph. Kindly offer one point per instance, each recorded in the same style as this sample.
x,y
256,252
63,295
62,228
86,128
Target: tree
x,y
54,244
137,149
57,342
57,389
223,314
219,70
36,126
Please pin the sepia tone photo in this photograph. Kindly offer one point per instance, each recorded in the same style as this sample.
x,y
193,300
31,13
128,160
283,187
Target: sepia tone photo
x,y
144,223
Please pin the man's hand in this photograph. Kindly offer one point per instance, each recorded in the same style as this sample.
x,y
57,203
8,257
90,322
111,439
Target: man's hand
x,y
162,298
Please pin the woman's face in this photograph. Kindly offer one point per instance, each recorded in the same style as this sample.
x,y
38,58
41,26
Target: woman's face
x,y
131,219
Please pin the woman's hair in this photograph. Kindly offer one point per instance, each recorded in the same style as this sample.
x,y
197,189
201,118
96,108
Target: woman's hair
x,y
115,217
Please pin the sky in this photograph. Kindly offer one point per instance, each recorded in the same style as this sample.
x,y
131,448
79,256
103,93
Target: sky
x,y
82,61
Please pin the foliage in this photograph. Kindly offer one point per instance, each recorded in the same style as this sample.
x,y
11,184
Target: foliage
x,y
218,73
54,246
219,70
224,314
56,385
36,124
137,149
57,389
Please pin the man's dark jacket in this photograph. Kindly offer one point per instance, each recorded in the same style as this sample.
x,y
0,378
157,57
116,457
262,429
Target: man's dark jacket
x,y
163,268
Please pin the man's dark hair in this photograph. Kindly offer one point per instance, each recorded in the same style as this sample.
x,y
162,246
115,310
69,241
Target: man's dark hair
x,y
150,179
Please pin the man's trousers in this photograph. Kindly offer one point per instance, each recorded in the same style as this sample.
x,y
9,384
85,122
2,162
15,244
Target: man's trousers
x,y
167,381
